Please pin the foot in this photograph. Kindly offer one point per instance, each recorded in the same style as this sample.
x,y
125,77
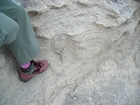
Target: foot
x,y
35,68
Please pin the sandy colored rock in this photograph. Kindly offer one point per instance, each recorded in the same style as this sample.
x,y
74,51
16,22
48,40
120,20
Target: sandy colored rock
x,y
93,50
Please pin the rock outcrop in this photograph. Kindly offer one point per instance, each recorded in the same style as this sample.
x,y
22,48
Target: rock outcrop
x,y
93,48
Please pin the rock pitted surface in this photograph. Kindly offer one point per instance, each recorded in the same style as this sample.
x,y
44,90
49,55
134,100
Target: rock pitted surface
x,y
93,47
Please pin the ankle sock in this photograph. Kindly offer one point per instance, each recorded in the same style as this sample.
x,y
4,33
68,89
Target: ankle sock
x,y
26,66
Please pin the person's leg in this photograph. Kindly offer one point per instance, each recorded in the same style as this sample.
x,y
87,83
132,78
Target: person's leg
x,y
8,30
25,47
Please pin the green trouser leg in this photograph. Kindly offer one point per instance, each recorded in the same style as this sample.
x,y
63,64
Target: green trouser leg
x,y
25,47
8,30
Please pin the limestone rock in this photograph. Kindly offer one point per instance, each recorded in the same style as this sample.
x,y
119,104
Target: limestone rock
x,y
93,48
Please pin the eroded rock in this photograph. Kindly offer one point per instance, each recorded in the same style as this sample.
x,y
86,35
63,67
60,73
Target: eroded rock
x,y
93,51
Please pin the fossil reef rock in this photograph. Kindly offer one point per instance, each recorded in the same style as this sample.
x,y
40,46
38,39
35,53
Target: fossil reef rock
x,y
93,50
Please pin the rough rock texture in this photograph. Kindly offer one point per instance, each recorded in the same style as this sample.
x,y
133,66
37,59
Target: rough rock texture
x,y
93,47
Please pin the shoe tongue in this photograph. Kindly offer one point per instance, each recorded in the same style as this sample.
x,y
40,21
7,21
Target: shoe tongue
x,y
32,68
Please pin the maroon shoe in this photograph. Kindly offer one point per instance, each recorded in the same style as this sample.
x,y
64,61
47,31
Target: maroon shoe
x,y
35,68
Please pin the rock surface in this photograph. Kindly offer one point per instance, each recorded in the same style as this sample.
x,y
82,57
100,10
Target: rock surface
x,y
93,48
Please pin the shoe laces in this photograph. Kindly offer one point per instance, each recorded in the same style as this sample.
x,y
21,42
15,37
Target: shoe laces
x,y
38,65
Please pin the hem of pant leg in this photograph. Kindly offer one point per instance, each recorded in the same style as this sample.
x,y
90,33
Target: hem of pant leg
x,y
29,59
